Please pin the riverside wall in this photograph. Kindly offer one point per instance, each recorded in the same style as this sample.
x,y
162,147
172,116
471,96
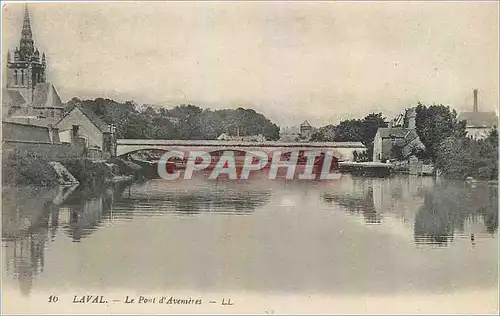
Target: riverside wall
x,y
29,150
41,150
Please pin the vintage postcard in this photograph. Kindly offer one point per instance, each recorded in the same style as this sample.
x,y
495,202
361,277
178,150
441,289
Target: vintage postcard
x,y
263,157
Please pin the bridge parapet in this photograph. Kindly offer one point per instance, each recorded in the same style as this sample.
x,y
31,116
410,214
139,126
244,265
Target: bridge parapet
x,y
342,150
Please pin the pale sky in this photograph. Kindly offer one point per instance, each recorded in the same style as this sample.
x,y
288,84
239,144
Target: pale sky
x,y
321,61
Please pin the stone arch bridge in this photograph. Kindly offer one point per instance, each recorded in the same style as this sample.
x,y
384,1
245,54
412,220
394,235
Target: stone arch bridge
x,y
343,151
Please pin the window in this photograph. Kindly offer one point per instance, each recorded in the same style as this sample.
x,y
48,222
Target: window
x,y
22,77
15,77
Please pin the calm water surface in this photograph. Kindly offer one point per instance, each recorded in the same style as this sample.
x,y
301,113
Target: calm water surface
x,y
348,236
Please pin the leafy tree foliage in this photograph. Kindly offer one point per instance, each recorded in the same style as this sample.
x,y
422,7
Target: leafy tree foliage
x,y
324,134
181,122
353,130
370,124
447,146
434,124
462,157
349,131
449,206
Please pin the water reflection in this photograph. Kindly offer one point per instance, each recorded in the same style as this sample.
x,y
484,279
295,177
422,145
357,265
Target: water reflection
x,y
84,210
32,216
437,211
158,197
29,221
456,208
357,205
294,235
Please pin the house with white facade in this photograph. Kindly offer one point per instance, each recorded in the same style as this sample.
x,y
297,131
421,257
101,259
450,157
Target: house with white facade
x,y
478,124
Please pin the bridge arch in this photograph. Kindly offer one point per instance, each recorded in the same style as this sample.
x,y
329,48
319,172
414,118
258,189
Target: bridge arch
x,y
137,150
124,150
342,151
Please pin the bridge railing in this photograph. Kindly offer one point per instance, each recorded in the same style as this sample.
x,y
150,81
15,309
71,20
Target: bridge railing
x,y
226,143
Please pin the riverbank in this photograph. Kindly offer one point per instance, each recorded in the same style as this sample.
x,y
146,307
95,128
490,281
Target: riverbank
x,y
38,171
45,172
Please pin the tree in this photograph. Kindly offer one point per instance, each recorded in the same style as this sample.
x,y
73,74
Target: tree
x,y
462,157
434,124
181,122
349,131
353,130
324,134
369,126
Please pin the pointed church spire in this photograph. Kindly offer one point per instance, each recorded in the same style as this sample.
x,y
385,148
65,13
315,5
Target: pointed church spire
x,y
26,43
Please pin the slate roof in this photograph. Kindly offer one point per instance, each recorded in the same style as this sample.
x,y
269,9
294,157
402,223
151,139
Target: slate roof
x,y
305,124
12,98
46,96
96,120
393,132
479,119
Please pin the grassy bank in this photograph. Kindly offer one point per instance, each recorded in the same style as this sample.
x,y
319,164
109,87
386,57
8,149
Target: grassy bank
x,y
37,171
28,171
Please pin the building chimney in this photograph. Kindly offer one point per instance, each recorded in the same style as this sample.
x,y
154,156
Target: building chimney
x,y
475,101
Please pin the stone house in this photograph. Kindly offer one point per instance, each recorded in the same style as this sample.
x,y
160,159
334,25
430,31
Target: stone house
x,y
82,123
392,143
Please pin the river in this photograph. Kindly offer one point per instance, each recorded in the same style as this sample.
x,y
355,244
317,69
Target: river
x,y
353,236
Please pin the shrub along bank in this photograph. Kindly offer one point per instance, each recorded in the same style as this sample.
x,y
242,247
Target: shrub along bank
x,y
30,170
463,157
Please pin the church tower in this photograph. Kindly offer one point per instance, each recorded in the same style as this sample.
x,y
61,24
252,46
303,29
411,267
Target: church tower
x,y
26,68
